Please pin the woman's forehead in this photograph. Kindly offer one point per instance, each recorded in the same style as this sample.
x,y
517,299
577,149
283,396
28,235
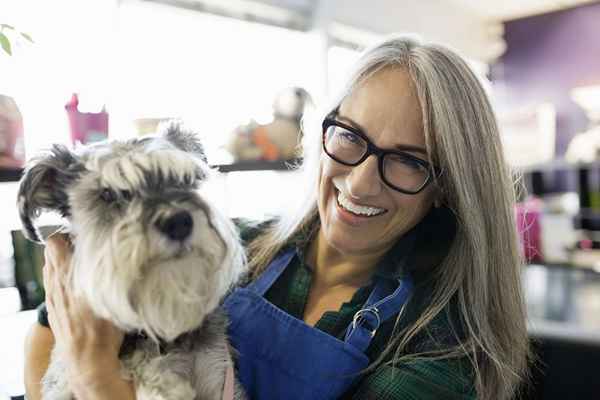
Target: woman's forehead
x,y
386,102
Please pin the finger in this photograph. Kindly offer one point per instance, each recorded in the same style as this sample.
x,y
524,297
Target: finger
x,y
60,306
46,281
55,284
56,327
59,248
48,269
48,276
58,239
51,318
59,288
48,255
51,311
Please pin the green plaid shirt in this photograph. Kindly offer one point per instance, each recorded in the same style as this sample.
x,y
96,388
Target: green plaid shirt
x,y
421,380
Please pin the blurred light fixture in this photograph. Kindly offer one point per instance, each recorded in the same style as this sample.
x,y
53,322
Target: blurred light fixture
x,y
585,146
588,97
297,18
351,37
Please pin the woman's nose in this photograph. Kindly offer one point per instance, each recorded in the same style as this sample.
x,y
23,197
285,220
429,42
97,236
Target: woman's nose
x,y
363,180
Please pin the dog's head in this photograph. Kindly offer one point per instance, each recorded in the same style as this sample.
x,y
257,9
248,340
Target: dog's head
x,y
150,253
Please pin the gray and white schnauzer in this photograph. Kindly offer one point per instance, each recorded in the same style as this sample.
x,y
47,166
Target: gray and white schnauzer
x,y
150,254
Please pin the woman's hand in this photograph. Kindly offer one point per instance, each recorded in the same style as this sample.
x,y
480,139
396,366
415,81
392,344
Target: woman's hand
x,y
91,344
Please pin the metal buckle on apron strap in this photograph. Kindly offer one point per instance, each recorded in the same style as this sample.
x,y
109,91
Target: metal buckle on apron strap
x,y
361,316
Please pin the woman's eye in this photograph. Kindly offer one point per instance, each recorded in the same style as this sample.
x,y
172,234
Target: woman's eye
x,y
349,137
108,195
417,166
406,162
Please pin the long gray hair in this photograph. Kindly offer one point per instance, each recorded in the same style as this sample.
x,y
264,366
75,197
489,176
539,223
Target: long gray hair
x,y
481,270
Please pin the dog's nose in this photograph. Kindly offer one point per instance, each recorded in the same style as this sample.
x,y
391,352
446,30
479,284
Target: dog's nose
x,y
178,226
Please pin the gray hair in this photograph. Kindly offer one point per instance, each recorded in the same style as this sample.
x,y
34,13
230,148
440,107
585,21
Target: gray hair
x,y
481,270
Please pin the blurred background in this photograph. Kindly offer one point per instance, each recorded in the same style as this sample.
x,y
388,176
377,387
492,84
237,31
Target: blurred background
x,y
243,73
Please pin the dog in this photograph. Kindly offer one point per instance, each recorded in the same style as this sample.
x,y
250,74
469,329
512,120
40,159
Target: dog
x,y
151,254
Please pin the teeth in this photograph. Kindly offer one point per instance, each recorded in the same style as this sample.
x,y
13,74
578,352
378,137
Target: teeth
x,y
356,209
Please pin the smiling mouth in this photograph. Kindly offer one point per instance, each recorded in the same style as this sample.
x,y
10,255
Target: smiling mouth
x,y
360,211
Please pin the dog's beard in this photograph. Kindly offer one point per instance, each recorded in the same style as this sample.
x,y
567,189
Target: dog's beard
x,y
127,279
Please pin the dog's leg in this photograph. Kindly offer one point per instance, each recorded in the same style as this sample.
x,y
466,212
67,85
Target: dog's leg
x,y
212,358
239,393
165,386
159,377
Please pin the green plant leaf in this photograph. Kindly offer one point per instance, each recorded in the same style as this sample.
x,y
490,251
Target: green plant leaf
x,y
26,36
5,43
7,26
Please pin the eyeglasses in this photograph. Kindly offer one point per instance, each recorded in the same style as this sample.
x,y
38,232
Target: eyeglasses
x,y
399,170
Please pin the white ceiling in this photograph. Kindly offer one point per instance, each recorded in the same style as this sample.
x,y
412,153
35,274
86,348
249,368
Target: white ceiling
x,y
474,27
503,10
499,10
435,20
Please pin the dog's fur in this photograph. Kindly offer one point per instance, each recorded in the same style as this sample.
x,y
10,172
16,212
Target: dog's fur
x,y
164,291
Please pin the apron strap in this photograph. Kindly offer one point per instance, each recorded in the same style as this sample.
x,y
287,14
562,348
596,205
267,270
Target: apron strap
x,y
273,271
377,309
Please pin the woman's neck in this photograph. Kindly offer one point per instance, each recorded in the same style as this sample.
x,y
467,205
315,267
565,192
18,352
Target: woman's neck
x,y
332,268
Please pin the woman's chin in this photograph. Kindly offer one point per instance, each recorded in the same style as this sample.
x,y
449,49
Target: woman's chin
x,y
348,243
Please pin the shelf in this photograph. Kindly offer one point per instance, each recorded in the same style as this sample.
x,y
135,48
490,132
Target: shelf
x,y
13,175
10,175
279,165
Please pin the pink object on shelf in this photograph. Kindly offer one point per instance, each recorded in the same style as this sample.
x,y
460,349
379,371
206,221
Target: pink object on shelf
x,y
529,228
12,151
86,127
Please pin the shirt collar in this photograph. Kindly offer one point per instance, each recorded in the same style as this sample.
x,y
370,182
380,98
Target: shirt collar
x,y
394,265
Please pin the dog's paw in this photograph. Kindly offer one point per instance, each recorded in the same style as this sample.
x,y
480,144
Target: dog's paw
x,y
183,392
168,386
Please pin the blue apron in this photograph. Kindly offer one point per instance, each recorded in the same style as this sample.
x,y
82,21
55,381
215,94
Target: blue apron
x,y
281,357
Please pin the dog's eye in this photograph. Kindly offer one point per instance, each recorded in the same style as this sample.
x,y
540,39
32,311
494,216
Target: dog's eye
x,y
108,195
126,195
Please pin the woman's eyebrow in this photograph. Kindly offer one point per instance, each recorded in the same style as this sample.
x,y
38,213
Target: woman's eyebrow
x,y
401,147
410,147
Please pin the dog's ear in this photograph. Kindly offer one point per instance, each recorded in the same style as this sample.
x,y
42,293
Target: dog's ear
x,y
182,138
43,187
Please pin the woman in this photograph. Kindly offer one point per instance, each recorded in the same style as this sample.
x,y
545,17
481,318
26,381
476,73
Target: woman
x,y
399,276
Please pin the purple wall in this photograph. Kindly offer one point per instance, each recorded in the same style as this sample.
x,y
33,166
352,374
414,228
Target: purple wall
x,y
547,55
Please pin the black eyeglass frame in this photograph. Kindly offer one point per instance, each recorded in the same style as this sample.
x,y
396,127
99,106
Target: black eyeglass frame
x,y
380,153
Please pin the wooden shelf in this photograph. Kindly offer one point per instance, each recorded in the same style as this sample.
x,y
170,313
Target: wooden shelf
x,y
10,175
279,165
